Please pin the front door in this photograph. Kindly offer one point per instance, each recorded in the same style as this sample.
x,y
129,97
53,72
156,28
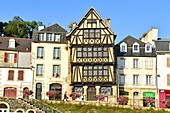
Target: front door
x,y
38,91
58,88
91,94
10,92
136,99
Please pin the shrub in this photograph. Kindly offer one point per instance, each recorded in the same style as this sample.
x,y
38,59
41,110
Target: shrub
x,y
74,95
123,100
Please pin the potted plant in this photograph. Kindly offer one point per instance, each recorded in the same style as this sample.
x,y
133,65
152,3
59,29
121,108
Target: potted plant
x,y
51,94
27,93
100,97
149,102
74,95
122,100
167,103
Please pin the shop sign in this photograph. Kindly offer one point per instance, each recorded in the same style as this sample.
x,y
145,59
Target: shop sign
x,y
148,95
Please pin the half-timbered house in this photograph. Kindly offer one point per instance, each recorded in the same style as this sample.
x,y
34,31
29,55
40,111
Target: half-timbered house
x,y
91,49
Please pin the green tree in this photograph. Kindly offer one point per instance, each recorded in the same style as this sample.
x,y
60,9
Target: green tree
x,y
17,27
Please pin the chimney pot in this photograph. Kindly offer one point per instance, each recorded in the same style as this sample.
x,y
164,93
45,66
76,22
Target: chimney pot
x,y
108,22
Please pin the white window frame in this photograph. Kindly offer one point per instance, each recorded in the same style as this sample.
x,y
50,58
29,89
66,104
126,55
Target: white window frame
x,y
146,47
39,70
11,43
135,63
40,52
57,37
122,63
149,63
56,70
122,79
148,79
41,36
135,79
123,47
135,44
57,53
10,57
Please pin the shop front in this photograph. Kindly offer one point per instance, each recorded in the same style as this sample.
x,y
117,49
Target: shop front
x,y
148,99
164,98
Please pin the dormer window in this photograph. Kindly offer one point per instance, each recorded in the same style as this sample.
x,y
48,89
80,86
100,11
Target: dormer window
x,y
148,47
41,37
11,43
57,37
123,47
135,47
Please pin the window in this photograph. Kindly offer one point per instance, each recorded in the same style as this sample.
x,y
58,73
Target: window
x,y
85,33
122,79
105,70
95,70
91,21
148,79
106,90
57,37
11,75
97,35
168,62
56,70
39,70
41,37
148,47
135,79
40,52
123,47
79,52
92,33
49,37
135,63
78,90
20,75
135,47
11,43
168,80
105,53
92,52
148,63
56,53
122,63
10,57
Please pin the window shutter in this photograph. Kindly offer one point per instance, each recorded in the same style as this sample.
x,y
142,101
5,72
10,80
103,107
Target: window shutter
x,y
11,75
6,57
168,80
168,62
15,58
20,75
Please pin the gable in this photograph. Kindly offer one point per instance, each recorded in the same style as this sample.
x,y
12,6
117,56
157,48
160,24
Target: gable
x,y
91,17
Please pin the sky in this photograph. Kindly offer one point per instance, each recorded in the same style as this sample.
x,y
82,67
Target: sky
x,y
128,17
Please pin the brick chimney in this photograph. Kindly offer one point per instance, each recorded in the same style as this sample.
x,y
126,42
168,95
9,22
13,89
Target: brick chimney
x,y
40,27
108,22
74,25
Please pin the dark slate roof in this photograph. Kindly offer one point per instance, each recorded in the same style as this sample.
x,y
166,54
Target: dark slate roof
x,y
162,45
21,44
129,40
51,29
54,28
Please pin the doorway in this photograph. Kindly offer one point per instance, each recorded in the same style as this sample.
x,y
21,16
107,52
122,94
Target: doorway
x,y
58,88
38,91
91,93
